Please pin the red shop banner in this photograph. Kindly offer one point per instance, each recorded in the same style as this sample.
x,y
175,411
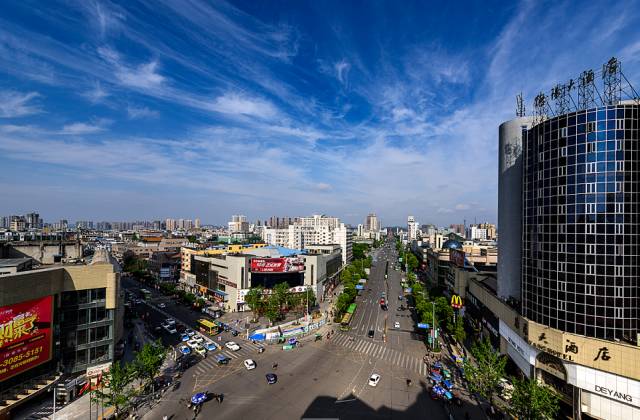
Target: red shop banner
x,y
25,336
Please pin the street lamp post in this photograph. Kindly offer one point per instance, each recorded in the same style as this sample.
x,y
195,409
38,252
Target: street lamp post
x,y
433,329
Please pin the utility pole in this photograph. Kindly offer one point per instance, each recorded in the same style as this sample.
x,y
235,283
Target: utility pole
x,y
53,415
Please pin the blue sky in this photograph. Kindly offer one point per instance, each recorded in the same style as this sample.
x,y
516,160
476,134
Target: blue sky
x,y
152,109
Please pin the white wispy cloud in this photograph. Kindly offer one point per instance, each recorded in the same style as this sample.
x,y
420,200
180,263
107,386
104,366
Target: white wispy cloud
x,y
17,104
81,128
342,68
97,93
135,113
236,104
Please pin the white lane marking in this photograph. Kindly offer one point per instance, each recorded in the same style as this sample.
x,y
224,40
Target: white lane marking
x,y
384,350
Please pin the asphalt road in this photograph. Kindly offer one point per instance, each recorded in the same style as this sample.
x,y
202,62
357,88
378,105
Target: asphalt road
x,y
325,379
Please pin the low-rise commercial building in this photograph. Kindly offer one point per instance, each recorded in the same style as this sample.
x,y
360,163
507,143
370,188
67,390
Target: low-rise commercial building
x,y
225,278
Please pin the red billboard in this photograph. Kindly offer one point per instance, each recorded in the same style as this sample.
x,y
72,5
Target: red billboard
x,y
276,265
25,336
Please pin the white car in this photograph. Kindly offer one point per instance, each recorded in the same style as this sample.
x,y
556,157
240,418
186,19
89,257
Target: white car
x,y
192,344
170,321
249,364
199,349
197,338
162,305
374,379
231,345
396,325
169,328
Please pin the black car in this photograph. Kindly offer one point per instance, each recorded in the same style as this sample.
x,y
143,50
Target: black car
x,y
234,333
272,378
370,334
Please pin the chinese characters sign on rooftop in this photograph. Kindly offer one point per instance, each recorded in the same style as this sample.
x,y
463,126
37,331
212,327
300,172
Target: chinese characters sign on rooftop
x,y
25,336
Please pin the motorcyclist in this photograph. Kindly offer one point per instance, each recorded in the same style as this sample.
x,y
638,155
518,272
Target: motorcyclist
x,y
274,366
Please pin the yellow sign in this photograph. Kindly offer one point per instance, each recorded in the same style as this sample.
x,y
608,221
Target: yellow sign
x,y
608,356
456,302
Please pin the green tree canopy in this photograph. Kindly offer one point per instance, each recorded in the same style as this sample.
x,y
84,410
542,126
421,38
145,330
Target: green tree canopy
x,y
117,391
272,310
485,370
255,299
533,401
281,295
148,361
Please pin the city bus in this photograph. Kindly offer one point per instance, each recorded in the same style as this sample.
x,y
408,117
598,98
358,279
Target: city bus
x,y
145,294
206,326
346,319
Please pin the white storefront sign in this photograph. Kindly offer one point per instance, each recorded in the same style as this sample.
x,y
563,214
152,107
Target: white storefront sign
x,y
604,384
94,371
520,351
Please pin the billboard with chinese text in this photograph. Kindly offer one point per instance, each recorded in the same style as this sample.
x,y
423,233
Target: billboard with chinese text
x,y
25,336
276,265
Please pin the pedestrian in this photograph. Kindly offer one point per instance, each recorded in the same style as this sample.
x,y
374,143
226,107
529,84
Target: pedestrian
x,y
221,398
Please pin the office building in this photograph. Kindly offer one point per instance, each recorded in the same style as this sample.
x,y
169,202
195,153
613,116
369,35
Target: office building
x,y
371,223
314,230
238,224
412,229
73,320
573,322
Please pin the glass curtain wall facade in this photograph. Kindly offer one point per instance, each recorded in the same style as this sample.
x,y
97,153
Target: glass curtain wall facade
x,y
87,329
580,222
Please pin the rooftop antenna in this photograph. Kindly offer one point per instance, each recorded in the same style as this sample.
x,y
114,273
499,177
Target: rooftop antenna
x,y
612,78
520,111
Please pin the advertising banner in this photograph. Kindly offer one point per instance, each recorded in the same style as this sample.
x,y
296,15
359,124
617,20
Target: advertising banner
x,y
25,336
457,257
276,265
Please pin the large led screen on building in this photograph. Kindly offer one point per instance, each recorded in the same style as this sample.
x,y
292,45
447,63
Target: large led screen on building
x,y
276,265
25,336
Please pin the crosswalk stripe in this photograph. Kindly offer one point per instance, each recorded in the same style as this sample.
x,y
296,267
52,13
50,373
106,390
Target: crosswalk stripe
x,y
384,350
366,348
359,346
230,354
424,369
397,357
377,351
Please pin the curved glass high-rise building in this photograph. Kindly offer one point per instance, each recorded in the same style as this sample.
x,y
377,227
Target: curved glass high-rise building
x,y
580,219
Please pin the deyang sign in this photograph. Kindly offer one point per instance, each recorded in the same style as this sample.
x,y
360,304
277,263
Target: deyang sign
x,y
605,384
276,265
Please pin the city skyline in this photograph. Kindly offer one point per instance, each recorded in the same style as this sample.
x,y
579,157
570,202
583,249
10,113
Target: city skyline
x,y
114,122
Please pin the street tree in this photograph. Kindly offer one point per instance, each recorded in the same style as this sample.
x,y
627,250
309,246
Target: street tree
x,y
256,302
148,361
458,330
281,295
533,401
484,370
272,310
117,390
412,261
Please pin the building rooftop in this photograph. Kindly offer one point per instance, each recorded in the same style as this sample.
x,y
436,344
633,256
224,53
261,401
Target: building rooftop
x,y
13,262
